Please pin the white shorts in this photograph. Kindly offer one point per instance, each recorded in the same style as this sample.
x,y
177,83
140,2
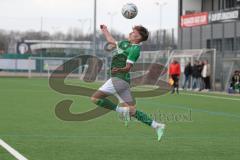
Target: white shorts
x,y
119,88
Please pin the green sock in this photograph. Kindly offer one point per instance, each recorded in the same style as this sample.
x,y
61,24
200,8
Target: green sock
x,y
106,104
143,117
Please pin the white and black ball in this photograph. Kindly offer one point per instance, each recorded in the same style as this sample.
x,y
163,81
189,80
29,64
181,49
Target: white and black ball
x,y
129,10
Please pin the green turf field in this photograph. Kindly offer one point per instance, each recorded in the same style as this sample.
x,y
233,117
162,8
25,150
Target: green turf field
x,y
198,127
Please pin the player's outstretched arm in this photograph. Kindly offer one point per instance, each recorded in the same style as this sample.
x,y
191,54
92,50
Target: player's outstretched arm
x,y
107,34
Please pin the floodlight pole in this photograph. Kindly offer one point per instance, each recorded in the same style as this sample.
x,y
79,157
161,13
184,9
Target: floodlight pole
x,y
160,4
41,37
95,28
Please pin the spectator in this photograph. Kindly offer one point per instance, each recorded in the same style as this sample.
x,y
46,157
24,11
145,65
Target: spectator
x,y
187,75
200,77
174,72
235,82
195,75
206,72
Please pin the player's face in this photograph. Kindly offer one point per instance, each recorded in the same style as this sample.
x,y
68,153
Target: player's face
x,y
134,36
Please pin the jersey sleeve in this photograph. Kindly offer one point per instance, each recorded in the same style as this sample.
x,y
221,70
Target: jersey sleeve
x,y
133,54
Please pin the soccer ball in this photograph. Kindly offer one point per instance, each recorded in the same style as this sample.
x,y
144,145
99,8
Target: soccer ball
x,y
129,10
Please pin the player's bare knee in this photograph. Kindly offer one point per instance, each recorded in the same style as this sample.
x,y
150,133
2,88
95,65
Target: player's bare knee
x,y
94,99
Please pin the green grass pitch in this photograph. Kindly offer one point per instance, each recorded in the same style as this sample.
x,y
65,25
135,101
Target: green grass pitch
x,y
198,127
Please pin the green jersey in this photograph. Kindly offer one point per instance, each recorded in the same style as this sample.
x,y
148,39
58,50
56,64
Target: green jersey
x,y
125,53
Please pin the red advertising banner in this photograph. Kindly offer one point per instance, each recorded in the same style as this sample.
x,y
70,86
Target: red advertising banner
x,y
196,19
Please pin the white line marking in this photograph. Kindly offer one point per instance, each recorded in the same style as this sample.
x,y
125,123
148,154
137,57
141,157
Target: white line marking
x,y
209,96
12,151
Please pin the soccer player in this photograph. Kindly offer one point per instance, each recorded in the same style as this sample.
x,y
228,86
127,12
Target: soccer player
x,y
126,54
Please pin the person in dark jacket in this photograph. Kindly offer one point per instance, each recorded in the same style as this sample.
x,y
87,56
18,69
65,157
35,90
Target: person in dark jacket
x,y
187,75
235,81
195,75
200,77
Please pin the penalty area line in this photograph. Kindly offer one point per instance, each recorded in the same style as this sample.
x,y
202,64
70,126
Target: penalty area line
x,y
12,151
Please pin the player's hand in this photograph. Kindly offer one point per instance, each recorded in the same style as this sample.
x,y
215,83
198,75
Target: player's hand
x,y
115,70
103,27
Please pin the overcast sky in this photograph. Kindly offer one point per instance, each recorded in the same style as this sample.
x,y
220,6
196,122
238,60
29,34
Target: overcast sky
x,y
60,15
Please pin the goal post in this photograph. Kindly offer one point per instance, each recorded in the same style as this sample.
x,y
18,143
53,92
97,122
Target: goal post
x,y
165,57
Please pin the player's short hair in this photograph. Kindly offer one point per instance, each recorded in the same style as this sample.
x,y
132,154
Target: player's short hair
x,y
142,31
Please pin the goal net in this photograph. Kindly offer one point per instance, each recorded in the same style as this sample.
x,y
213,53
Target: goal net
x,y
183,57
153,64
